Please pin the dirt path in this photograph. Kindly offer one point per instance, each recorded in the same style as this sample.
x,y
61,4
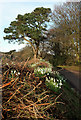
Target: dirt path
x,y
73,77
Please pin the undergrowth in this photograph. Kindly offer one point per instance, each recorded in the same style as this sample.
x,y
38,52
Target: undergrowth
x,y
25,94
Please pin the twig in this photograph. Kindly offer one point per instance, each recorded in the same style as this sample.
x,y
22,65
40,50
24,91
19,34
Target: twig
x,y
4,85
14,93
6,71
27,73
20,101
54,102
37,110
37,101
58,97
42,104
28,101
15,82
43,93
32,90
41,99
52,105
25,63
34,112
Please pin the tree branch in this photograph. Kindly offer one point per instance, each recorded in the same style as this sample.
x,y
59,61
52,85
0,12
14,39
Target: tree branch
x,y
31,45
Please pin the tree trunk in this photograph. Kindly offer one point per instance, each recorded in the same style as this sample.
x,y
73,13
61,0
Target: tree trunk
x,y
36,54
35,51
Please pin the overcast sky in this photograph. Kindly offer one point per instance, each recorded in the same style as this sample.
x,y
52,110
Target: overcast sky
x,y
9,9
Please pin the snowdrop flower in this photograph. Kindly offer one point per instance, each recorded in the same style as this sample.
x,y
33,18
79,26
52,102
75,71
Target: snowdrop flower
x,y
38,70
18,73
47,73
60,84
54,80
11,71
60,81
46,78
14,71
6,63
57,80
49,81
57,72
56,85
42,72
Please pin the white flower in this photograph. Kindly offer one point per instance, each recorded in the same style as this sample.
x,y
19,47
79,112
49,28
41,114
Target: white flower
x,y
54,80
47,73
60,84
18,73
6,63
42,72
46,78
14,71
56,85
48,81
11,71
38,70
60,81
57,80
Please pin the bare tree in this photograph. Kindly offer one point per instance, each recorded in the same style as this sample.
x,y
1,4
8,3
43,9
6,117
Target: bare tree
x,y
65,29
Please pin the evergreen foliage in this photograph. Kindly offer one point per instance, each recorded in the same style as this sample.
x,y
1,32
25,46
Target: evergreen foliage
x,y
30,27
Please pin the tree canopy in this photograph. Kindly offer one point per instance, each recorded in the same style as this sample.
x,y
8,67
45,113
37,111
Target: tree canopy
x,y
30,27
65,30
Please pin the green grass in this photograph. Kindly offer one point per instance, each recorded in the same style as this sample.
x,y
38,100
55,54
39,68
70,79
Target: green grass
x,y
72,68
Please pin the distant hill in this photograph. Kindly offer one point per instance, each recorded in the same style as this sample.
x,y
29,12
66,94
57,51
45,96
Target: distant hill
x,y
1,55
21,55
10,52
24,53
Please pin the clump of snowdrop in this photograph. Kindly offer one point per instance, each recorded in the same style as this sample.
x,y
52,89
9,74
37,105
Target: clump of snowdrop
x,y
41,60
33,65
55,83
42,70
15,72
